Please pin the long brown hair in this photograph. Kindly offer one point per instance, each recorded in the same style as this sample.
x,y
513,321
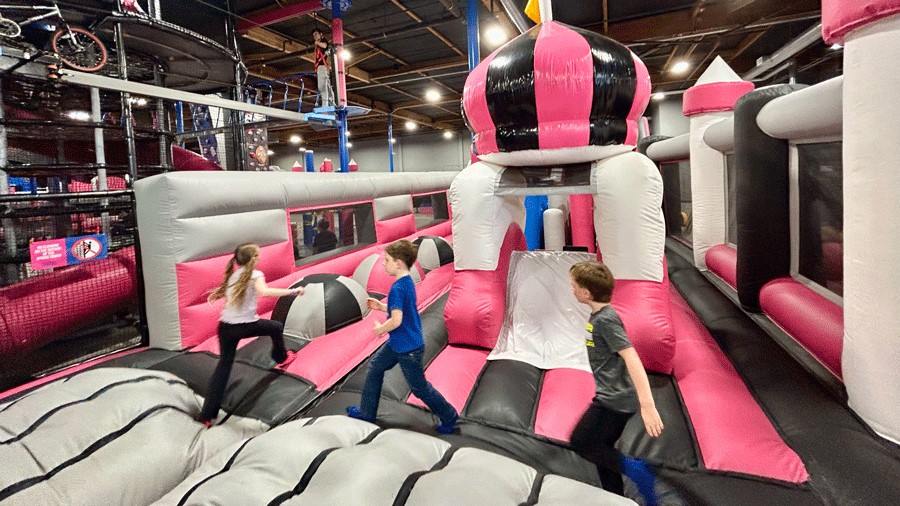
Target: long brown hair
x,y
245,256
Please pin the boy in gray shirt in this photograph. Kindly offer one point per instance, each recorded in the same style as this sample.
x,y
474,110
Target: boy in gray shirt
x,y
622,387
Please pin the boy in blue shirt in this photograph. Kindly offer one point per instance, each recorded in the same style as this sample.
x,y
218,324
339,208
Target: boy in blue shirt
x,y
405,345
622,387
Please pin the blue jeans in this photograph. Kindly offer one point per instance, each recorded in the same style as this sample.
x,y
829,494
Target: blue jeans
x,y
411,365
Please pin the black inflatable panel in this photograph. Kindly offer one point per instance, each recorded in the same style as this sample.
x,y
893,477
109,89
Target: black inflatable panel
x,y
270,396
506,394
676,446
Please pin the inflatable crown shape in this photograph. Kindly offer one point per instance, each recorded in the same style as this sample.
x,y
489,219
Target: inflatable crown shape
x,y
556,95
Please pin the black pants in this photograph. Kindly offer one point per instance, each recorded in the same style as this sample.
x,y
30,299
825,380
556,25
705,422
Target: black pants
x,y
594,438
229,336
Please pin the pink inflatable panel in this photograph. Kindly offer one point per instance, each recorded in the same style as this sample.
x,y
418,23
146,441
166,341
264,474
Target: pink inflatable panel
x,y
475,310
722,261
581,212
714,97
641,99
328,358
453,373
732,431
840,17
565,395
644,309
563,112
475,104
812,320
395,228
183,159
197,279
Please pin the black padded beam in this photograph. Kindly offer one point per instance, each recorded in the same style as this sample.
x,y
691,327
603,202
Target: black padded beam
x,y
763,219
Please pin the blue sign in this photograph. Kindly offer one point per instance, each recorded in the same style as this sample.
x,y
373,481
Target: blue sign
x,y
86,248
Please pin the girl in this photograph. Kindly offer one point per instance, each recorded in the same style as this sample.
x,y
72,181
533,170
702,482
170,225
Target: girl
x,y
240,288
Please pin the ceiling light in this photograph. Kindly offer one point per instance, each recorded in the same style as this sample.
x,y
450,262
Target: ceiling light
x,y
270,152
495,35
79,115
835,47
346,55
448,134
432,95
349,144
348,133
393,141
659,95
302,150
296,139
411,125
681,67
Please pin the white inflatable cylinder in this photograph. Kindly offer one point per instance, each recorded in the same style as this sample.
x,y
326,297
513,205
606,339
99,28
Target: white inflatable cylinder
x,y
871,354
628,217
554,230
710,101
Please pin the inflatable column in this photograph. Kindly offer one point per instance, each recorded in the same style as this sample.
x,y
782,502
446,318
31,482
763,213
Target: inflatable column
x,y
709,101
870,32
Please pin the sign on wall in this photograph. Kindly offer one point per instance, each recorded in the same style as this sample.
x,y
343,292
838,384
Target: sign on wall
x,y
68,251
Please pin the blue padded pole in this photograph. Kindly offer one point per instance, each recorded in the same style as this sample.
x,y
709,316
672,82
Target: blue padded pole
x,y
535,205
472,33
310,161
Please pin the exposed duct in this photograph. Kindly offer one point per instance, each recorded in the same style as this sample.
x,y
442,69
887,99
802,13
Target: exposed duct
x,y
515,15
788,51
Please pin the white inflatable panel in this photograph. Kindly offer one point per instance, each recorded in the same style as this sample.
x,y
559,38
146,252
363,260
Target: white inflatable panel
x,y
554,230
544,324
720,136
671,150
707,188
558,491
810,113
392,207
628,219
481,219
871,356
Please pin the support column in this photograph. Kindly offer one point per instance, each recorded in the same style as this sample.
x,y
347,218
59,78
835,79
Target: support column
x,y
127,116
474,42
870,32
390,120
10,273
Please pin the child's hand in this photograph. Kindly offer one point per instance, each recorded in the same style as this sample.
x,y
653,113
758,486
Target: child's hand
x,y
298,291
652,422
378,329
373,304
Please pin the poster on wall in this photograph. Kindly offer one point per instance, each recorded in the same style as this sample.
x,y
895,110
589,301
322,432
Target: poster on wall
x,y
68,251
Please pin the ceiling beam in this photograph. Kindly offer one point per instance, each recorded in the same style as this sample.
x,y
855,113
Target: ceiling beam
x,y
426,66
747,41
714,16
273,40
431,30
270,17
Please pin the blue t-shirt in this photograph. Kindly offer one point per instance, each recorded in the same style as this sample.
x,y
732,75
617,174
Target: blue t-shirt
x,y
408,336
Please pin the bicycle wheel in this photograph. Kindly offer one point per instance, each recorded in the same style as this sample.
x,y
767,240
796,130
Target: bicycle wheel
x,y
79,49
9,28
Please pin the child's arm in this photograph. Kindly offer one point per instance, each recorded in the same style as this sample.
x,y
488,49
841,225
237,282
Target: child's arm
x,y
392,323
263,290
374,304
652,422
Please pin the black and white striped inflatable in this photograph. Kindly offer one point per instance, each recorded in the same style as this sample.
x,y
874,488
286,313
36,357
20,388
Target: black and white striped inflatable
x,y
433,252
329,303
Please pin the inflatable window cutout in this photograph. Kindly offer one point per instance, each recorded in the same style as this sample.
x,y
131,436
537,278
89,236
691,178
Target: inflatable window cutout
x,y
731,201
677,181
819,213
430,209
331,231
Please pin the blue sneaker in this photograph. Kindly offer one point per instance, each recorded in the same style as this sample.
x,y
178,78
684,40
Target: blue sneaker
x,y
354,412
642,476
447,428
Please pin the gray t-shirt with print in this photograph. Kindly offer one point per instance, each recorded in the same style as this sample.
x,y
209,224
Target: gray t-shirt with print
x,y
607,338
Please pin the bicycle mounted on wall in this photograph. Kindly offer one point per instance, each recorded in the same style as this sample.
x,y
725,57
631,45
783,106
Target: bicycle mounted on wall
x,y
76,47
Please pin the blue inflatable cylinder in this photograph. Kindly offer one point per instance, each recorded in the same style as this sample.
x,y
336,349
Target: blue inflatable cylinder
x,y
535,205
310,161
